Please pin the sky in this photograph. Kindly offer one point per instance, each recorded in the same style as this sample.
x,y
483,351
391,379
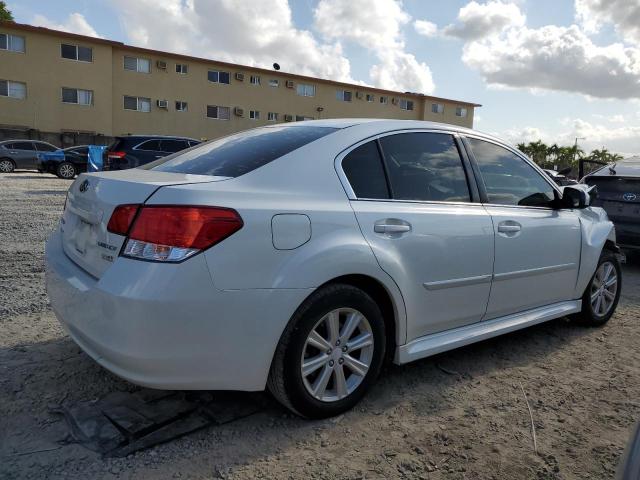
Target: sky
x,y
542,69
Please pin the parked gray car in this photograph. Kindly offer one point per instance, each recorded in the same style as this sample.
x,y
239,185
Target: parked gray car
x,y
22,154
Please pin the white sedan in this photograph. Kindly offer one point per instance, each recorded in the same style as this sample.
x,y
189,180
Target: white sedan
x,y
300,257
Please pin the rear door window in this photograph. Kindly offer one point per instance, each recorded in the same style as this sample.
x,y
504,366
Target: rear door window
x,y
425,166
150,146
241,153
365,172
173,146
44,147
23,146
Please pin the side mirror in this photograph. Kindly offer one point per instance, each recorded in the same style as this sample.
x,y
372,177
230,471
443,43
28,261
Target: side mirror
x,y
575,197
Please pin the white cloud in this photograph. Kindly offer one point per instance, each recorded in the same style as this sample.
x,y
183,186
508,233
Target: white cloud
x,y
476,20
376,26
622,139
75,23
425,28
508,54
239,31
624,15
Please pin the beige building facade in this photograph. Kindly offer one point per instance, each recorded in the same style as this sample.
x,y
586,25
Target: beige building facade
x,y
66,84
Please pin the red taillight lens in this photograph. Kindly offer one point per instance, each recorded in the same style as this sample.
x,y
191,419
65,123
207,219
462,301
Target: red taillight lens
x,y
116,154
121,218
185,227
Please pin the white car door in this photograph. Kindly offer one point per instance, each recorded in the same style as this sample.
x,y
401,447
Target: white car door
x,y
537,247
415,206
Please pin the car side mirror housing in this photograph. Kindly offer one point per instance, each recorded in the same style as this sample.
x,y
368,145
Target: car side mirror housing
x,y
575,197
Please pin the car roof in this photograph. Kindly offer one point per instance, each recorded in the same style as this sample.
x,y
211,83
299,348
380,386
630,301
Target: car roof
x,y
629,167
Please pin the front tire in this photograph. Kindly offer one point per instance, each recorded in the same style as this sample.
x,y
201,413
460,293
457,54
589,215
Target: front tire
x,y
330,353
7,165
602,294
66,170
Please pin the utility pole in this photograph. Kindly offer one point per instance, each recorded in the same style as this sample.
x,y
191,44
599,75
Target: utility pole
x,y
575,148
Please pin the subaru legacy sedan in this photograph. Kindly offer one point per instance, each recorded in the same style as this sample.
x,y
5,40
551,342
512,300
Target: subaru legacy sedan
x,y
301,257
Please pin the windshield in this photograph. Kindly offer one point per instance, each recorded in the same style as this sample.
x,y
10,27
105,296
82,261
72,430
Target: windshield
x,y
241,153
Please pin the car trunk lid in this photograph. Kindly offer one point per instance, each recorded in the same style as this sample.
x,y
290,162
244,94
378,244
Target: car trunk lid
x,y
90,202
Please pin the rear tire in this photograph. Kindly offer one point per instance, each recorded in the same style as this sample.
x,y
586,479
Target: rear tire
x,y
7,165
602,294
330,353
66,170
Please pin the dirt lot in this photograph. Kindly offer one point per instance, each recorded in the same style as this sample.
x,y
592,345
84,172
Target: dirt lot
x,y
458,415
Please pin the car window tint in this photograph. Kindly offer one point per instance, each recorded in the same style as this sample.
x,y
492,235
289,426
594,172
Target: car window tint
x,y
45,147
509,179
425,166
173,145
23,146
241,153
150,145
365,172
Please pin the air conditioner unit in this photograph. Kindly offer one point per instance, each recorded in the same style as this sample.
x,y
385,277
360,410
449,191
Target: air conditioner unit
x,y
394,100
238,111
162,104
240,76
288,118
161,64
359,95
289,84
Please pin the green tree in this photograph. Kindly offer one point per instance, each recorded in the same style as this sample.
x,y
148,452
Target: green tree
x,y
5,14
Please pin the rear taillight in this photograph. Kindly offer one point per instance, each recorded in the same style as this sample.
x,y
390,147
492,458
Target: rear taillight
x,y
121,218
173,233
116,155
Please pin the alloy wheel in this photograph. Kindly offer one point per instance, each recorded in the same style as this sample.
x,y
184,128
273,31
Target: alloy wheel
x,y
6,166
337,354
67,171
604,288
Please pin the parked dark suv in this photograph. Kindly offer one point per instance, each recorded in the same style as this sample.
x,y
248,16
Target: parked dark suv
x,y
134,150
618,187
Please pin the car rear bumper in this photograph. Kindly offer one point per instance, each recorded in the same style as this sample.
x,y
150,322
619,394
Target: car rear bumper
x,y
166,326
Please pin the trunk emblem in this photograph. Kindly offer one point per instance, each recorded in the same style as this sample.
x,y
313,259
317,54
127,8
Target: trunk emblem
x,y
84,186
629,197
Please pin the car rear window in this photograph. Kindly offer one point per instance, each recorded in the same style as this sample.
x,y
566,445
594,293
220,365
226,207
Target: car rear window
x,y
241,153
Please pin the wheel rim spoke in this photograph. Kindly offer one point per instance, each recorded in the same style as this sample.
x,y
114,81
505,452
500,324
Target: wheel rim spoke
x,y
318,341
356,366
313,364
320,385
609,295
598,304
352,322
340,381
361,341
612,281
333,326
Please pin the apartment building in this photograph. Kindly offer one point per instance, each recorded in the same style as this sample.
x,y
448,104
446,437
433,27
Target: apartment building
x,y
57,84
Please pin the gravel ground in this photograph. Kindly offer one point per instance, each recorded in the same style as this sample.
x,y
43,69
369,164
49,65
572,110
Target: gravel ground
x,y
460,415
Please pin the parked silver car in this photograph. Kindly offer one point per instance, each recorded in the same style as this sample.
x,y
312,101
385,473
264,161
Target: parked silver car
x,y
22,154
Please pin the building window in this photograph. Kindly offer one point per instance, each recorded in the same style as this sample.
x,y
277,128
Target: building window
x,y
77,96
182,68
406,104
218,113
274,83
305,90
272,116
461,112
254,114
140,104
343,95
254,79
302,118
383,100
13,89
141,65
370,97
13,43
216,76
181,106
76,52
437,108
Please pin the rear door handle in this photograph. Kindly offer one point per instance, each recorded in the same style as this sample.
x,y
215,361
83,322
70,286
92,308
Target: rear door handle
x,y
509,227
391,225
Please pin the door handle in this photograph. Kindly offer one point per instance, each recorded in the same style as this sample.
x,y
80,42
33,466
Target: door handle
x,y
509,227
391,225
